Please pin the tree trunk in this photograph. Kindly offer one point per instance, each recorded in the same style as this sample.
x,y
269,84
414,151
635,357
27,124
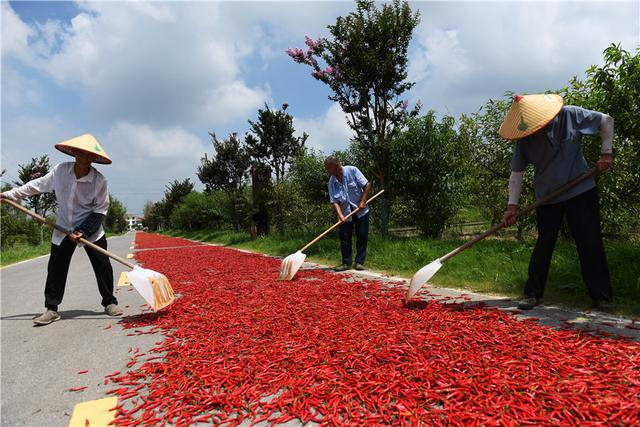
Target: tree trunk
x,y
261,181
385,209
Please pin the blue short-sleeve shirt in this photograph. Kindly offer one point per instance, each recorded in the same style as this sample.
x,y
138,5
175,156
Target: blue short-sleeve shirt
x,y
348,193
556,152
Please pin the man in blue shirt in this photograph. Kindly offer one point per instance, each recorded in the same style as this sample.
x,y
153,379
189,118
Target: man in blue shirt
x,y
348,190
548,135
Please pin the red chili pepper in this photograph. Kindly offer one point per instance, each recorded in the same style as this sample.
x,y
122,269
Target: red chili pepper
x,y
83,372
238,344
77,388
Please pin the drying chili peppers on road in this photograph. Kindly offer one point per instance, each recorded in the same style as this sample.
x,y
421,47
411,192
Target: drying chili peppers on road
x,y
239,345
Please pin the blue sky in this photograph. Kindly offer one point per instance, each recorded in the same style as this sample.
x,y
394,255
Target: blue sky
x,y
151,79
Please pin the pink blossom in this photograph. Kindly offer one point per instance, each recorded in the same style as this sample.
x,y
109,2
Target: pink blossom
x,y
295,52
329,70
309,42
36,175
318,75
404,105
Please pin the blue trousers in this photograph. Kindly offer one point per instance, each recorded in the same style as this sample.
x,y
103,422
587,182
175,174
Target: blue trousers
x,y
345,230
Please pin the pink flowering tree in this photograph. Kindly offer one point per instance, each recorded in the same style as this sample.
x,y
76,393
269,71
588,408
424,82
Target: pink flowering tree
x,y
364,62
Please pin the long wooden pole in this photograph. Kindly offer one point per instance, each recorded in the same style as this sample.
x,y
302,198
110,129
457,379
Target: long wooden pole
x,y
338,223
62,230
520,214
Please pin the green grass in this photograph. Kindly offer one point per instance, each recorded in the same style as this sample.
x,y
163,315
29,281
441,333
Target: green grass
x,y
19,253
23,252
497,266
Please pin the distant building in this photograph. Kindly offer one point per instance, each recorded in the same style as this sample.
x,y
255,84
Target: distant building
x,y
134,222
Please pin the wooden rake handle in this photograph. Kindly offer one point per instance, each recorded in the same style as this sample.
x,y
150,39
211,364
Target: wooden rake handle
x,y
328,230
67,232
522,213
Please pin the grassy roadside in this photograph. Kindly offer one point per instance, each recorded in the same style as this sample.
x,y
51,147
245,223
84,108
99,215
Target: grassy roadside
x,y
492,266
19,253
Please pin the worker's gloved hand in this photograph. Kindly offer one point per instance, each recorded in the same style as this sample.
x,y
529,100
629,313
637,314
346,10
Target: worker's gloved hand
x,y
75,237
605,162
509,217
3,196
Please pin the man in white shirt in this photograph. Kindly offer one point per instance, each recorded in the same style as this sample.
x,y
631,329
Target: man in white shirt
x,y
83,201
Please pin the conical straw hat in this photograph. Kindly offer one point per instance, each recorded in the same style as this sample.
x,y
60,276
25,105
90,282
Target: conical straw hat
x,y
530,113
86,143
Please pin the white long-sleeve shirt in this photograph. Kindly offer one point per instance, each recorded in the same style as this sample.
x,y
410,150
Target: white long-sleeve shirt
x,y
77,197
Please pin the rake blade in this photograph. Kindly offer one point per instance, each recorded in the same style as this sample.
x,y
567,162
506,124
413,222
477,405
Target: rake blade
x,y
290,265
153,286
421,277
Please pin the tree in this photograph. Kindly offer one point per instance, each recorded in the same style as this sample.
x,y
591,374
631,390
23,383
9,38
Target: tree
x,y
116,219
365,65
272,145
174,194
198,211
152,215
227,171
271,140
38,167
307,171
614,88
488,162
428,171
41,203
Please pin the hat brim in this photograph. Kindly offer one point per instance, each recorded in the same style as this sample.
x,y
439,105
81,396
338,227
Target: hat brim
x,y
72,151
509,127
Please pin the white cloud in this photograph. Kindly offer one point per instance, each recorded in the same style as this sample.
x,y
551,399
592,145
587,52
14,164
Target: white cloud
x,y
15,34
465,53
146,159
145,62
19,91
329,132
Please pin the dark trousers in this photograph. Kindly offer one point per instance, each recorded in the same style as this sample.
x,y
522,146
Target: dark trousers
x,y
58,269
345,230
583,217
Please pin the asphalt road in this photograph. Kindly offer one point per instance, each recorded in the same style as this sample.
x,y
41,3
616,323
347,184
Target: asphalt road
x,y
40,363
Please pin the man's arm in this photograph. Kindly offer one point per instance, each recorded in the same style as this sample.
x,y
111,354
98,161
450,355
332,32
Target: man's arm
x,y
515,188
339,212
365,196
606,137
32,188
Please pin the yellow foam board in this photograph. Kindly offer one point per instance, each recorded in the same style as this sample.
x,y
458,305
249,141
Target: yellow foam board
x,y
124,279
97,412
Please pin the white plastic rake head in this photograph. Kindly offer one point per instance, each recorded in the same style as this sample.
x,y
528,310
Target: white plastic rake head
x,y
153,286
421,277
290,265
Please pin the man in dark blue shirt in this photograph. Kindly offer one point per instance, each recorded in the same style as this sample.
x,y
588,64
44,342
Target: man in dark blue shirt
x,y
549,136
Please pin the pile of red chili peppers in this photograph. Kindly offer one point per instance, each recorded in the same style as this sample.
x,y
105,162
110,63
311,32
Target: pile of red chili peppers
x,y
241,345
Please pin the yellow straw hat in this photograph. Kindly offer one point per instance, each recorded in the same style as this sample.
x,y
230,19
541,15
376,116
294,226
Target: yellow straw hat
x,y
86,143
530,113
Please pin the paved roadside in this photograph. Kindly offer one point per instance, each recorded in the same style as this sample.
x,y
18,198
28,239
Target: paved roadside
x,y
39,364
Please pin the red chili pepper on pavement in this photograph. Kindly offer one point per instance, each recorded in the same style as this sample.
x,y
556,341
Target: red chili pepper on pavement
x,y
240,345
